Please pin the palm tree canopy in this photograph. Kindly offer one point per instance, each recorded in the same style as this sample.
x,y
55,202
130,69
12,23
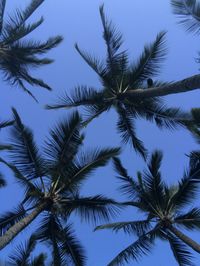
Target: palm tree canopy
x,y
52,180
18,56
120,77
188,12
164,207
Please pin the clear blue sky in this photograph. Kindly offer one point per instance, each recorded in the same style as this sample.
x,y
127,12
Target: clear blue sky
x,y
79,21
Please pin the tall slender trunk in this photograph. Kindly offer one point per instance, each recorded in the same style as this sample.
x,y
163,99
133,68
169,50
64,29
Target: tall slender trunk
x,y
188,84
187,240
14,230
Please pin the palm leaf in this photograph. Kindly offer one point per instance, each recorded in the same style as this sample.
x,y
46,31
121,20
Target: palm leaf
x,y
135,251
94,208
64,142
189,13
190,220
149,62
2,181
39,260
6,123
129,187
86,163
82,95
180,251
21,255
125,126
25,154
130,227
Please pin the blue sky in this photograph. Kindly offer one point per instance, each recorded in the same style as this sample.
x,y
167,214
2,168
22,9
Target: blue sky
x,y
79,21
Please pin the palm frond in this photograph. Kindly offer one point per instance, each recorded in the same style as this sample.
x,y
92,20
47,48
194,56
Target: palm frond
x,y
180,251
190,220
153,182
131,227
25,154
188,12
129,187
149,63
63,144
125,126
71,249
81,96
116,61
6,123
135,251
21,254
96,208
86,163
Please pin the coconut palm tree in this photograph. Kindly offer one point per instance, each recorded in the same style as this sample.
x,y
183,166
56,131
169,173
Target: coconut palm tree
x,y
19,55
52,182
165,209
22,255
126,87
188,12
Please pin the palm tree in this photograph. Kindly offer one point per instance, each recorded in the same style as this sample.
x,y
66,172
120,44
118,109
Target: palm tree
x,y
164,209
22,255
125,87
18,56
189,13
52,181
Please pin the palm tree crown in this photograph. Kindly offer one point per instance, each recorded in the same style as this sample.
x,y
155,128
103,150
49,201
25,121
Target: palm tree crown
x,y
18,56
163,208
52,181
119,78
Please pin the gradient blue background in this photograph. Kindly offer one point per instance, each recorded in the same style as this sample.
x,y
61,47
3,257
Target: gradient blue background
x,y
79,21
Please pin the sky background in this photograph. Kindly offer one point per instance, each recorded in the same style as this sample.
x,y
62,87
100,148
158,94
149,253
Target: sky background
x,y
79,21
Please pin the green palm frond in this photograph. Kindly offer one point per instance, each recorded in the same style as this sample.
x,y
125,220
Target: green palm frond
x,y
129,186
66,249
188,12
180,251
125,126
149,62
142,246
18,56
6,123
21,254
152,181
116,62
24,153
96,208
86,163
81,96
71,249
190,220
132,227
63,144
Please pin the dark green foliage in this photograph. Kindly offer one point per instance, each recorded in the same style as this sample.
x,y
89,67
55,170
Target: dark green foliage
x,y
189,13
19,56
54,176
162,207
118,76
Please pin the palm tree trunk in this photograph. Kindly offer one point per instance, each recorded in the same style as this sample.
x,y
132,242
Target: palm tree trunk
x,y
14,230
188,84
187,240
